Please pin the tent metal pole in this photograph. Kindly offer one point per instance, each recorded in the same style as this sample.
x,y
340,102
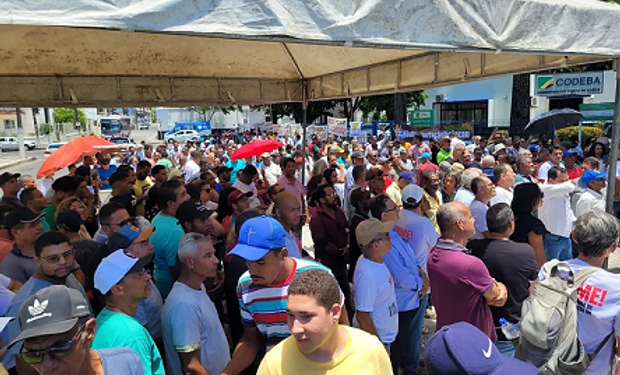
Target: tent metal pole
x,y
304,146
615,138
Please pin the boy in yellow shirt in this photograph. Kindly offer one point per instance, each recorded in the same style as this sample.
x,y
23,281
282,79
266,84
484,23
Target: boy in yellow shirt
x,y
318,344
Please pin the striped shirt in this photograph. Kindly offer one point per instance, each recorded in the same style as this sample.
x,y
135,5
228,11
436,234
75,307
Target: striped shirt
x,y
264,307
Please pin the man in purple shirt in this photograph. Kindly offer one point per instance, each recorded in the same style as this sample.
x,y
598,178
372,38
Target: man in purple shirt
x,y
418,148
461,284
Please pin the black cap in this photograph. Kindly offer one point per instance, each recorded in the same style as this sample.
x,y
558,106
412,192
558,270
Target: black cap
x,y
190,211
51,311
6,176
69,220
20,215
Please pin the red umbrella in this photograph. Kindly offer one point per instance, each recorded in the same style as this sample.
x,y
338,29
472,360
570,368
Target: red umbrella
x,y
72,152
256,148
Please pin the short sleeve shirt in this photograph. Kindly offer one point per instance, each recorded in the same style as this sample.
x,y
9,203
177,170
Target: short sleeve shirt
x,y
165,240
479,213
116,329
190,322
374,293
120,361
524,224
459,281
18,266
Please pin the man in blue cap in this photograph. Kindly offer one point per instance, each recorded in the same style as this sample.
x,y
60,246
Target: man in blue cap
x,y
592,198
262,290
461,348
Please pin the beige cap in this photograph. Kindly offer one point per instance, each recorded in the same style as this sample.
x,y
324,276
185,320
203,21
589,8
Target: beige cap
x,y
367,230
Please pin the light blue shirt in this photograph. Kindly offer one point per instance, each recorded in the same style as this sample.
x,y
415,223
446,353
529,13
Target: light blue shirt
x,y
403,266
291,245
464,196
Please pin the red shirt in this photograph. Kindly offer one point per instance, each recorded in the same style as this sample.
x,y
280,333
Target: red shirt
x,y
388,181
425,167
574,172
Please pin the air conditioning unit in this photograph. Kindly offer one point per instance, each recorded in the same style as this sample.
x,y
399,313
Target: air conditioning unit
x,y
534,102
441,98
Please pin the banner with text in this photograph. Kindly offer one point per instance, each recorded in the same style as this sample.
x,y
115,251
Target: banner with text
x,y
337,126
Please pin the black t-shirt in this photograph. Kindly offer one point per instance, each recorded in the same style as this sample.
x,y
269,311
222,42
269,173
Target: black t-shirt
x,y
524,224
514,265
84,250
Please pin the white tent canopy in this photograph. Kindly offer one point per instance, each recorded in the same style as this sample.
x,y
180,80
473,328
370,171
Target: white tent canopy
x,y
183,52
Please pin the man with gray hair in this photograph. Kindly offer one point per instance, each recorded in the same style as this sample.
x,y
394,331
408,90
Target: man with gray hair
x,y
464,194
525,167
193,336
595,235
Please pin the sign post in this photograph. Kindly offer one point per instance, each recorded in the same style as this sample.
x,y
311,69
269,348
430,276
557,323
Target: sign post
x,y
424,118
587,83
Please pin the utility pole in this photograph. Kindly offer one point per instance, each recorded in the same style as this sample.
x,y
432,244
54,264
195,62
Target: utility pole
x,y
20,133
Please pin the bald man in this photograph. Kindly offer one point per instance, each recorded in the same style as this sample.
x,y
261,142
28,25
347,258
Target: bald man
x,y
462,287
287,210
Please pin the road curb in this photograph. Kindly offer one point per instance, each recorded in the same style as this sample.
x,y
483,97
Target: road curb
x,y
16,162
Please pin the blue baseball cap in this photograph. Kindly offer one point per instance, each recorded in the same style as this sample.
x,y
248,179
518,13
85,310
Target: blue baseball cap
x,y
407,176
425,155
257,236
461,348
534,148
570,152
591,175
127,235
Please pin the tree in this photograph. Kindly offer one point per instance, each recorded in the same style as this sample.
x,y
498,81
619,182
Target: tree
x,y
67,115
206,113
316,110
375,105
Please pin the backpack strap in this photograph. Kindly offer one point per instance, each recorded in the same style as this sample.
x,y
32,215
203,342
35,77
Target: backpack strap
x,y
583,275
601,345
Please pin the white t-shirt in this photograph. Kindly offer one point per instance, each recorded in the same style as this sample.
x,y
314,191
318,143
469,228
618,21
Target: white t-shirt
x,y
192,170
272,173
556,212
479,213
598,313
544,170
374,293
419,233
502,196
190,322
254,201
588,201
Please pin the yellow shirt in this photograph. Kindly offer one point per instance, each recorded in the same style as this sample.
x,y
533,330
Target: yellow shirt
x,y
364,355
432,212
138,190
395,193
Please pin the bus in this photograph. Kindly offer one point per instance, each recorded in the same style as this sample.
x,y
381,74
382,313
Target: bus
x,y
115,126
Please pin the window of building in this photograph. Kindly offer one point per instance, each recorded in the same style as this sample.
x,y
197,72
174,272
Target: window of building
x,y
475,112
9,124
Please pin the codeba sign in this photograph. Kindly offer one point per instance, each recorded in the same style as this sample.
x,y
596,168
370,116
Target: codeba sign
x,y
588,83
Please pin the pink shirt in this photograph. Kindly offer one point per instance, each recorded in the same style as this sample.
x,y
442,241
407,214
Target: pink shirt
x,y
295,188
415,151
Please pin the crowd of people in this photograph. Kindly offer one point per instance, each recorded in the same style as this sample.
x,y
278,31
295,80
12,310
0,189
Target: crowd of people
x,y
179,259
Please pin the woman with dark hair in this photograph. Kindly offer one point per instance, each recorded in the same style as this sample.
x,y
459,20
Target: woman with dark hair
x,y
360,200
331,179
529,229
451,182
598,150
313,184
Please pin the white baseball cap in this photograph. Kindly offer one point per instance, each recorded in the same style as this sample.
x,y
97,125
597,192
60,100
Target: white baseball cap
x,y
115,266
412,194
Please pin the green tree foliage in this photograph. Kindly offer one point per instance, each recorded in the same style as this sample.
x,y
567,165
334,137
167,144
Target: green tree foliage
x,y
206,113
316,110
67,115
373,106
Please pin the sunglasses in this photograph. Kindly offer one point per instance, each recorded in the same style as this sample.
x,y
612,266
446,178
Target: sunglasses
x,y
57,351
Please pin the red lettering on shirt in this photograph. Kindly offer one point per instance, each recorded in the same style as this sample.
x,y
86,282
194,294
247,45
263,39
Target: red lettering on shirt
x,y
592,295
406,234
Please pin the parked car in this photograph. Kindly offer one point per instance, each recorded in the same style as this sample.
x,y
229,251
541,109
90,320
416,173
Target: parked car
x,y
124,142
53,147
182,136
144,126
12,143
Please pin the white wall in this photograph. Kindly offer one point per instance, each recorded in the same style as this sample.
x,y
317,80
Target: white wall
x,y
497,90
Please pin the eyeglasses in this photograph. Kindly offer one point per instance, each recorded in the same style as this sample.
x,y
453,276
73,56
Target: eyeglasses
x,y
392,209
56,258
57,351
121,224
207,190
